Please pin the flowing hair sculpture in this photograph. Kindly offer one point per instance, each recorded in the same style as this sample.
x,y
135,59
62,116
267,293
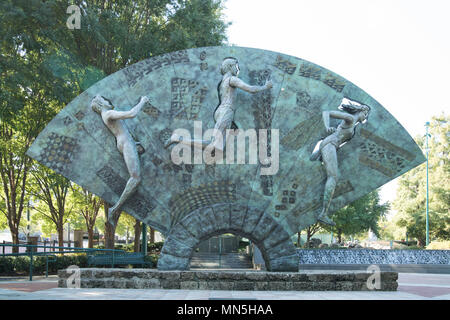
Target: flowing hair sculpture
x,y
355,108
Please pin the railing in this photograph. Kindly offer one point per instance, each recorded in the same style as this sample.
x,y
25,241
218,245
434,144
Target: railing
x,y
46,245
32,250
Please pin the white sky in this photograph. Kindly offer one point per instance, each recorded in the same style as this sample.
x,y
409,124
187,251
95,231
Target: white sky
x,y
398,51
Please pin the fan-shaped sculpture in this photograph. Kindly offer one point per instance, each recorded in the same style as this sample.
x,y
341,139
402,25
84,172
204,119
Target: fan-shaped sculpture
x,y
362,147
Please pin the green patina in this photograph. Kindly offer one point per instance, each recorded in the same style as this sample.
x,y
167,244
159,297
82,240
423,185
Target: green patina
x,y
182,87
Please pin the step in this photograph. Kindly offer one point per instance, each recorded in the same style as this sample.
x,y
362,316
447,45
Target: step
x,y
227,260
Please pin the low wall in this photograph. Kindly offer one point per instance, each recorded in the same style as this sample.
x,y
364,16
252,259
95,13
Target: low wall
x,y
371,256
228,280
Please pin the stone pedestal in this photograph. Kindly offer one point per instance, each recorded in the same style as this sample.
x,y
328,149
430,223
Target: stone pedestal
x,y
230,280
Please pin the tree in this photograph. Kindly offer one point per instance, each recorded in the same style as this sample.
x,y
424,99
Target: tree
x,y
137,235
310,231
27,101
44,65
16,135
52,189
3,221
125,226
152,234
410,201
359,216
110,229
89,206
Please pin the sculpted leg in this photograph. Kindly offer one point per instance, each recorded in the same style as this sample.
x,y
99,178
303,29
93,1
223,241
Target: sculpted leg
x,y
223,123
217,142
330,161
132,162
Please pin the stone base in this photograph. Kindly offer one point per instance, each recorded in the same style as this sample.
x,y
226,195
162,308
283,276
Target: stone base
x,y
229,280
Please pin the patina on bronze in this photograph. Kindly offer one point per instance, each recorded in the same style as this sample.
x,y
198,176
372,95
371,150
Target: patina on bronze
x,y
189,203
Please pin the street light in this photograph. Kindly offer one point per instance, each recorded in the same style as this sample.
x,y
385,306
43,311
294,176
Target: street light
x,y
427,125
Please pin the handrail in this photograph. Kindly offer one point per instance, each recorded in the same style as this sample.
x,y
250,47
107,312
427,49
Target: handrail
x,y
65,250
56,247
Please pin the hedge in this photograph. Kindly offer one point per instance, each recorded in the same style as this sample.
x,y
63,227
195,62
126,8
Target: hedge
x,y
151,247
12,266
21,265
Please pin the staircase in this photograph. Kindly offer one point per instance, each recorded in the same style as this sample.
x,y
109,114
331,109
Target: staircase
x,y
221,261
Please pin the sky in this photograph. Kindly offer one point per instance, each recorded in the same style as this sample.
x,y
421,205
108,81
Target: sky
x,y
398,51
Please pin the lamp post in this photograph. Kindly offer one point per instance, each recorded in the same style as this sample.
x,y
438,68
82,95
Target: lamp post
x,y
427,124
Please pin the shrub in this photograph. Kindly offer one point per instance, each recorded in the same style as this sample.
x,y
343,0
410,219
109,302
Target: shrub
x,y
155,247
413,248
439,245
153,258
6,265
21,265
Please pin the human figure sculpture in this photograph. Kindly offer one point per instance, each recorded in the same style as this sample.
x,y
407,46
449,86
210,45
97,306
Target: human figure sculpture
x,y
353,114
127,146
224,113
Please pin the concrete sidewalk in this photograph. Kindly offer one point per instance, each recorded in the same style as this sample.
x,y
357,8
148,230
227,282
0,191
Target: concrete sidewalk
x,y
412,286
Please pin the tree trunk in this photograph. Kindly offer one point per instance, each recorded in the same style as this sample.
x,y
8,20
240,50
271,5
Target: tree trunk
x,y
339,236
15,239
299,239
152,235
308,235
421,242
110,230
137,236
60,229
110,233
91,237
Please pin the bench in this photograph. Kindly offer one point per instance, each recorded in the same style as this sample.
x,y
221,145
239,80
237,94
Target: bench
x,y
119,259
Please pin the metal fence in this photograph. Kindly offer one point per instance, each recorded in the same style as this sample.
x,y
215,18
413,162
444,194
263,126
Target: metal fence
x,y
49,252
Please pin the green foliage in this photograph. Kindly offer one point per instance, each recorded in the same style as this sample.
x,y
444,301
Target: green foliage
x,y
410,201
47,227
3,219
44,65
155,247
243,245
359,216
438,245
21,265
87,207
125,224
153,258
40,52
52,191
152,248
6,265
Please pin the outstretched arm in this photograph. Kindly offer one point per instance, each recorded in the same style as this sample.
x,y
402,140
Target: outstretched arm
x,y
238,83
336,115
120,115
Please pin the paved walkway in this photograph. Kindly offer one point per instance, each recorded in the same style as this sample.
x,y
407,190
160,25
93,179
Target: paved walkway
x,y
412,286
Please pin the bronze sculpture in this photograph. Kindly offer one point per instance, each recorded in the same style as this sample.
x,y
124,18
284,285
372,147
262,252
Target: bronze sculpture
x,y
353,114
